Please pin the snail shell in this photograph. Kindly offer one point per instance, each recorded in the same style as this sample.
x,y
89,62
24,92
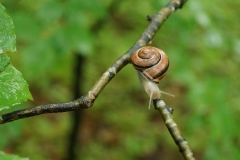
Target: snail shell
x,y
151,62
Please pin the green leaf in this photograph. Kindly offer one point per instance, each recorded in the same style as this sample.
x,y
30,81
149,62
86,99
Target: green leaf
x,y
4,62
7,33
4,156
14,89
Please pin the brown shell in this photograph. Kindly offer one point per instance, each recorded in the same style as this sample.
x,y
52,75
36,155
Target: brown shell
x,y
152,62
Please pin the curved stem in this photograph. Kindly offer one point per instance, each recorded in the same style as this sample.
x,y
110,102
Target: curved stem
x,y
87,100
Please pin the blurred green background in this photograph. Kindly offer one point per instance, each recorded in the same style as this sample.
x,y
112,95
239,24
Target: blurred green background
x,y
202,41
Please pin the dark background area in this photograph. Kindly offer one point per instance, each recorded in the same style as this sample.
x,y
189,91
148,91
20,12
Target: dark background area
x,y
63,47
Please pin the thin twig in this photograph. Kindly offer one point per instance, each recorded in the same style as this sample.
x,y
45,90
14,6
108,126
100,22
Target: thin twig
x,y
87,100
180,141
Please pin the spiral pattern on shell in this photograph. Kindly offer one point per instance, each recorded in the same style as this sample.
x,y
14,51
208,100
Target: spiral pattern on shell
x,y
151,62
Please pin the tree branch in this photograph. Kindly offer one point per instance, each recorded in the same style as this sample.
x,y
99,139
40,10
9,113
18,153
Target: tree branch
x,y
173,129
87,100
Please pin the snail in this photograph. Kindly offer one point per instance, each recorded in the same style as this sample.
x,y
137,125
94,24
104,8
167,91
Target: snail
x,y
151,64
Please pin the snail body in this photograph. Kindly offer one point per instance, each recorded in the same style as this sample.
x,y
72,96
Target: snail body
x,y
151,64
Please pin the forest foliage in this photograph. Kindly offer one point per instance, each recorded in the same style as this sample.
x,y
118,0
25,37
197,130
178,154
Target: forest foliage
x,y
201,40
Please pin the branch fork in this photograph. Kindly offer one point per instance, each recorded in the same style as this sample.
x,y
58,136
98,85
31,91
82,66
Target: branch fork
x,y
87,101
